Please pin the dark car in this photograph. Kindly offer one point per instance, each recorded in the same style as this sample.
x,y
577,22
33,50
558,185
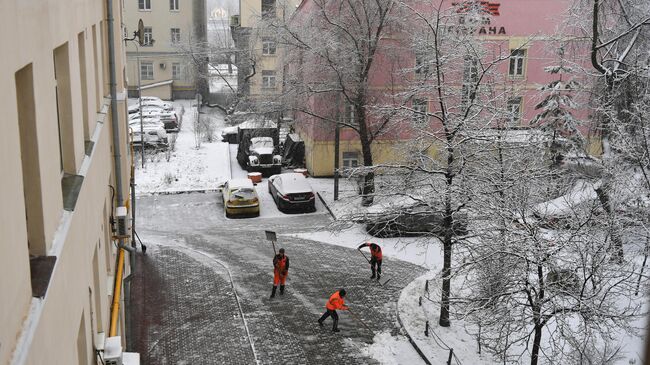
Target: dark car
x,y
292,192
413,221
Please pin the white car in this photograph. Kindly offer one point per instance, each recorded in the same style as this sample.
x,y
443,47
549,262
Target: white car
x,y
292,192
150,103
169,118
154,135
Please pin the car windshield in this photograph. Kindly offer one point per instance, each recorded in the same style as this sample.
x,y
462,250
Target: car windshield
x,y
262,142
243,193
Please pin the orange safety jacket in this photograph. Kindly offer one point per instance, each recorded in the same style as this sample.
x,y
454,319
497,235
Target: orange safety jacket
x,y
280,265
336,302
375,250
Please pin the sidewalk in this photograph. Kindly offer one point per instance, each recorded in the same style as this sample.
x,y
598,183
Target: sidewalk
x,y
425,252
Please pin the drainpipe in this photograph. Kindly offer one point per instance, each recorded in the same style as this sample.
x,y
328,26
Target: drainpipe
x,y
119,267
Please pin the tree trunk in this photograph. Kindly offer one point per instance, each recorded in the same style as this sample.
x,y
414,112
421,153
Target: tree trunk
x,y
537,340
446,286
368,187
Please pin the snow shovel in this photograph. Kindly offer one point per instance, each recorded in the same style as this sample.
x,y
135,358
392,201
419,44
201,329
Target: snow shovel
x,y
365,257
360,321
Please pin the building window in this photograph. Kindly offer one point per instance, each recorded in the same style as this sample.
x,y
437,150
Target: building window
x,y
148,36
470,79
348,114
350,159
268,9
517,61
268,46
421,65
176,71
268,79
514,111
176,35
146,71
420,111
144,4
173,5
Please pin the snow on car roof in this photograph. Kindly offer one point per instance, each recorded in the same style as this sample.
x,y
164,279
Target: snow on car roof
x,y
241,183
256,123
294,182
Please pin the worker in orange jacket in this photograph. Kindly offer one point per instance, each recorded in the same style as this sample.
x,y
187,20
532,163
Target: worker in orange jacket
x,y
280,271
336,302
375,257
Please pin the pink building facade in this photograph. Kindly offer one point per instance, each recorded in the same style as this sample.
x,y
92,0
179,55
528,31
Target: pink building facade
x,y
525,35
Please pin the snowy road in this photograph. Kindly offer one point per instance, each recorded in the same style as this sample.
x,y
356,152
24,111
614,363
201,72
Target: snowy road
x,y
189,314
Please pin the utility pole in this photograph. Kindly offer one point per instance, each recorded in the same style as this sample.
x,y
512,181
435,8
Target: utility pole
x,y
337,140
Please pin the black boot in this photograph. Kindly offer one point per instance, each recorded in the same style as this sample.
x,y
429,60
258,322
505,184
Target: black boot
x,y
273,291
378,276
281,289
335,328
373,275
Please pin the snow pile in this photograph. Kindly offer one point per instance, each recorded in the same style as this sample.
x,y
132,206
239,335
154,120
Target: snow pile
x,y
391,350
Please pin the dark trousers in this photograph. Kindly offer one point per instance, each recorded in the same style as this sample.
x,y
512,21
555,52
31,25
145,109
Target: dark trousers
x,y
334,315
375,263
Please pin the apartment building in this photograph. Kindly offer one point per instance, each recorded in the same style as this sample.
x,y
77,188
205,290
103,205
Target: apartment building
x,y
522,30
172,62
66,170
257,49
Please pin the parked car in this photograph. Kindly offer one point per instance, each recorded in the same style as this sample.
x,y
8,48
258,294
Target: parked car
x,y
150,101
413,221
229,134
262,157
168,118
240,198
292,192
154,134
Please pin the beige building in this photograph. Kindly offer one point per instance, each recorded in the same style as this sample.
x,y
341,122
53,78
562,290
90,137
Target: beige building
x,y
66,169
258,50
172,59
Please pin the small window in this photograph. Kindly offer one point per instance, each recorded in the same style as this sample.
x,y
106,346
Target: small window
x,y
421,65
144,4
268,46
146,70
268,79
420,111
176,35
348,114
517,62
268,9
173,5
514,111
148,36
176,71
350,159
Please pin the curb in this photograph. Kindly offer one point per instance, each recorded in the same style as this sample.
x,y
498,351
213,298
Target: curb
x,y
178,192
326,206
408,335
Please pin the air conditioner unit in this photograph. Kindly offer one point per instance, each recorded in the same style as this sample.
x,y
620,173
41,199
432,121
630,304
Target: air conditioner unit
x,y
234,21
113,351
121,215
163,66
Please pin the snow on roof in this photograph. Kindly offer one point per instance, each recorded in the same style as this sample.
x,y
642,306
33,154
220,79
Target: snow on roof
x,y
257,123
581,192
295,137
241,183
294,183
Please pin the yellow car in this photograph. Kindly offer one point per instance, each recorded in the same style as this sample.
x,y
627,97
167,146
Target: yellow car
x,y
240,198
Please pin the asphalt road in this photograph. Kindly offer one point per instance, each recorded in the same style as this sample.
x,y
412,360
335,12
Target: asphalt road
x,y
185,310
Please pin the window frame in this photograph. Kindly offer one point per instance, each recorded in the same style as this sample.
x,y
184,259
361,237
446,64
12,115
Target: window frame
x,y
175,31
517,63
348,114
421,66
514,117
142,5
420,109
177,71
269,44
270,75
174,5
147,37
349,159
143,75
